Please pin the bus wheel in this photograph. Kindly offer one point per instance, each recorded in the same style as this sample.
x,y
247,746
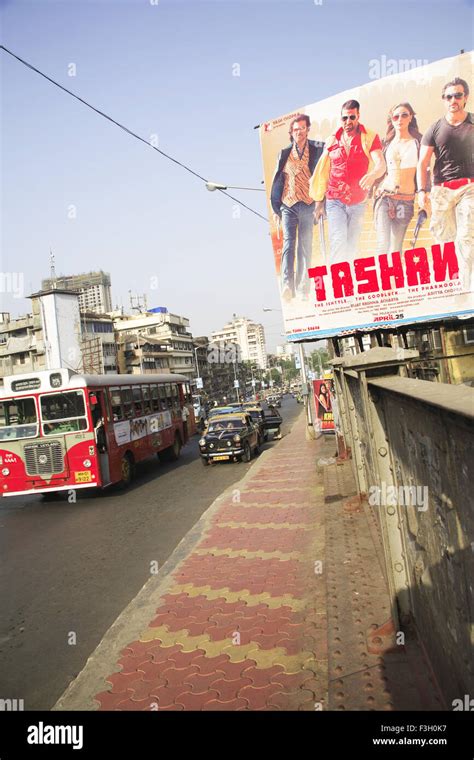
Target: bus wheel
x,y
171,454
128,470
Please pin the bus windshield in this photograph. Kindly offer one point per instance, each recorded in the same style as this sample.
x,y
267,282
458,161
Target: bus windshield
x,y
18,418
63,412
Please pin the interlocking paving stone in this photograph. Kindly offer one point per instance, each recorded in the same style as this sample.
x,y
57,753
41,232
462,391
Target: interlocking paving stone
x,y
244,625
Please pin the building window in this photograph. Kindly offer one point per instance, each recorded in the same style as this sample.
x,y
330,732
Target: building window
x,y
436,340
468,334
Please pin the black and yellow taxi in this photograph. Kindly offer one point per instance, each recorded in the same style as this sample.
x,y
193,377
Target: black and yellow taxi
x,y
229,437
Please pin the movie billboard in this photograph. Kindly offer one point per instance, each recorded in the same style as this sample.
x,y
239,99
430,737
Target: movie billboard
x,y
371,202
323,400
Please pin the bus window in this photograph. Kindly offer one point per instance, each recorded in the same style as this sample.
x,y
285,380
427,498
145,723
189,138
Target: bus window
x,y
18,418
169,396
163,404
137,401
175,396
106,403
63,412
116,404
155,400
127,403
146,398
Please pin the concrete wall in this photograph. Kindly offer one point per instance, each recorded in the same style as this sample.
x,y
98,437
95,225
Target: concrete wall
x,y
413,449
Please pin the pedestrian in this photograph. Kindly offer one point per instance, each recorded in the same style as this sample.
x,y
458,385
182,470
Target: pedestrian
x,y
395,197
451,200
184,417
294,208
351,163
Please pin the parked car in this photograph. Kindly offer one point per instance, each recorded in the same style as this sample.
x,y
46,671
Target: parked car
x,y
229,437
256,412
272,421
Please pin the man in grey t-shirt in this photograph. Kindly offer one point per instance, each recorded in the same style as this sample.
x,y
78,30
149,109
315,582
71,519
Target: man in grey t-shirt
x,y
451,139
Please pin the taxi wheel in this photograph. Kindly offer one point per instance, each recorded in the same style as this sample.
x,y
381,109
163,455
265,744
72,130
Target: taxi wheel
x,y
205,462
247,455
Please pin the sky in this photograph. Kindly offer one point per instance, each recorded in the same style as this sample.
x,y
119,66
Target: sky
x,y
75,183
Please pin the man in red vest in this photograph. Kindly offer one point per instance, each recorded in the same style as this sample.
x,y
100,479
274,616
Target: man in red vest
x,y
351,162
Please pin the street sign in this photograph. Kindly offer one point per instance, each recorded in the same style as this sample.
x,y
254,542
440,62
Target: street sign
x,y
253,383
236,384
297,362
199,383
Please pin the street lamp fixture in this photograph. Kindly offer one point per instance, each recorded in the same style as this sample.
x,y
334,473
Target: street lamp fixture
x,y
212,186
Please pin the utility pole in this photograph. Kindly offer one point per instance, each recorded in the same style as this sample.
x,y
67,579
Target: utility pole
x,y
304,380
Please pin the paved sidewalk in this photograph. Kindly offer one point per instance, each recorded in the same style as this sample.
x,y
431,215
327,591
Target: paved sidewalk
x,y
237,619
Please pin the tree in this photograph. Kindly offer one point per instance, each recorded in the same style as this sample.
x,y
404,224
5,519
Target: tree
x,y
319,360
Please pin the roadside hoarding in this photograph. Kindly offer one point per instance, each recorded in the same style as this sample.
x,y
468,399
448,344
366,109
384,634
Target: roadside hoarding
x,y
328,287
323,400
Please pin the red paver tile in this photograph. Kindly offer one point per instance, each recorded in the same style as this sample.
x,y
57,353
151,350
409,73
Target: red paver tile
x,y
136,649
146,689
150,672
292,681
161,653
234,704
108,700
121,682
184,659
168,695
130,663
208,665
202,683
261,677
258,698
293,700
229,690
178,676
197,701
272,641
235,670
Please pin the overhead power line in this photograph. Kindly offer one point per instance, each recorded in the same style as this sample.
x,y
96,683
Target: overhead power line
x,y
125,129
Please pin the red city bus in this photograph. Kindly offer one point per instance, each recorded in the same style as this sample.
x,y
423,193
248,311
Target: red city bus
x,y
61,431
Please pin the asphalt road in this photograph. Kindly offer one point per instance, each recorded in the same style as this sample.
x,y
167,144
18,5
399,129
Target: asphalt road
x,y
68,570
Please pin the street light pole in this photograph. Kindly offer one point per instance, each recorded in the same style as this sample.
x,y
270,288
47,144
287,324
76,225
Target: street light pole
x,y
196,358
140,353
304,380
235,383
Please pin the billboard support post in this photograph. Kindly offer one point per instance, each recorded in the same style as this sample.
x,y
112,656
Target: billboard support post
x,y
304,381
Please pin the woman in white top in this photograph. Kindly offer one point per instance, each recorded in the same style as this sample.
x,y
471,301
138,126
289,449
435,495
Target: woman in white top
x,y
395,198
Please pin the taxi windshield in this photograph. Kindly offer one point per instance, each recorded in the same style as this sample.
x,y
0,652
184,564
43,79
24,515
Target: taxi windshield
x,y
18,418
220,426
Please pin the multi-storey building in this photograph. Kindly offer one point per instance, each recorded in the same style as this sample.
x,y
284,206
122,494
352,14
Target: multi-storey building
x,y
98,345
93,287
157,328
249,335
